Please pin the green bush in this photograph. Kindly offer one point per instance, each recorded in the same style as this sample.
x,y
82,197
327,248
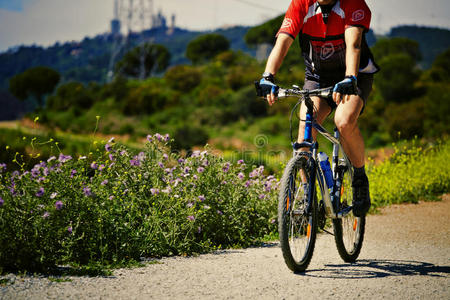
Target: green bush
x,y
205,47
69,95
183,78
411,174
116,206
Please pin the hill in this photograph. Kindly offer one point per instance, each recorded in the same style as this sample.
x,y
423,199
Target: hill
x,y
432,41
88,60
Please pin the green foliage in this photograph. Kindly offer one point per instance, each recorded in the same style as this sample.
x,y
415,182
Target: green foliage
x,y
183,78
440,70
264,33
143,61
411,174
391,46
115,206
396,78
69,95
35,82
205,47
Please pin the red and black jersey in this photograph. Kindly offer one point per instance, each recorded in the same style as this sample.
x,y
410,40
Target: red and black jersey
x,y
322,41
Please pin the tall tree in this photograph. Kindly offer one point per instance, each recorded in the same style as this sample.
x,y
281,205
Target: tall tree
x,y
143,61
206,46
35,82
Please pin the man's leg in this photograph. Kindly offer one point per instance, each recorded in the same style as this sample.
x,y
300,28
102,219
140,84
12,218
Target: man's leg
x,y
346,120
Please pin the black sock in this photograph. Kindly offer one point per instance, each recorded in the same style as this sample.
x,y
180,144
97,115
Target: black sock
x,y
359,172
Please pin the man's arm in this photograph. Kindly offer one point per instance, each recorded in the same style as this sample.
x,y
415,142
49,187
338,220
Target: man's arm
x,y
353,38
276,57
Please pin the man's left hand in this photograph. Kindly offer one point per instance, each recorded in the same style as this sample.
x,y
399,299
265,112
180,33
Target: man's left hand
x,y
345,88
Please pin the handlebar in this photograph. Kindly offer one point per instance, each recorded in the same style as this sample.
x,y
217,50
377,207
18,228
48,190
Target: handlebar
x,y
296,91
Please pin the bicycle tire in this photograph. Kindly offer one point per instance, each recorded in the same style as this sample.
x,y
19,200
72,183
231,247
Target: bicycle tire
x,y
297,229
348,231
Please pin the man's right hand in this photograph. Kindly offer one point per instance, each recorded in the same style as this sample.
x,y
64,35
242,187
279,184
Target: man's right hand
x,y
269,90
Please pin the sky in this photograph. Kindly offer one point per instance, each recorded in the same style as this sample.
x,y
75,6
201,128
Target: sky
x,y
44,22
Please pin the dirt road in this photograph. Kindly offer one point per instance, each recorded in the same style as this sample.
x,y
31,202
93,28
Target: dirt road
x,y
406,255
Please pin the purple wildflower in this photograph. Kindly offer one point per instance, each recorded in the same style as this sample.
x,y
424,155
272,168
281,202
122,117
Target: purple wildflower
x,y
195,177
112,140
12,190
219,212
190,218
101,167
40,192
64,158
200,169
72,173
241,175
241,161
248,183
158,136
111,197
167,190
40,179
180,161
87,191
149,138
108,148
94,165
53,195
224,182
141,156
262,196
58,205
196,153
46,171
165,156
135,162
69,229
46,215
2,167
272,220
104,182
205,163
199,230
111,157
35,172
51,158
166,137
206,206
190,204
154,191
226,167
160,164
123,152
1,201
201,198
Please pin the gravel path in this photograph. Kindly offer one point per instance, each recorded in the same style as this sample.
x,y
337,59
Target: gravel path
x,y
406,255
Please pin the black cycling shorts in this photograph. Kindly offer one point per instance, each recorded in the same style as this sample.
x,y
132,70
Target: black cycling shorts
x,y
365,82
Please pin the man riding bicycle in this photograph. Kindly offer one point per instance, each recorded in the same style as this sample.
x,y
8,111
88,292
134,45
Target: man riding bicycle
x,y
335,51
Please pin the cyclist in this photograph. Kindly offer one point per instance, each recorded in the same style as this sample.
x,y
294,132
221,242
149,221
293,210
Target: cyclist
x,y
335,51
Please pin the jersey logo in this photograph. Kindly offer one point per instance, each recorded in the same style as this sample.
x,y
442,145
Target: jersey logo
x,y
286,23
358,15
327,51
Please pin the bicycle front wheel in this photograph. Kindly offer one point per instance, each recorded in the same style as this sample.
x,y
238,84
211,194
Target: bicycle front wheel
x,y
297,215
348,231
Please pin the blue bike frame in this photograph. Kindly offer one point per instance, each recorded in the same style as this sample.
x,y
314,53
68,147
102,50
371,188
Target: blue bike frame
x,y
331,199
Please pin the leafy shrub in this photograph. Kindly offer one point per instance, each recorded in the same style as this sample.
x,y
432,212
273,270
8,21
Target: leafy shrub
x,y
188,136
116,206
183,78
68,95
411,174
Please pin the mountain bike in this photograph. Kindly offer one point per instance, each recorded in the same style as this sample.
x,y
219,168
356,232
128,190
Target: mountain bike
x,y
306,201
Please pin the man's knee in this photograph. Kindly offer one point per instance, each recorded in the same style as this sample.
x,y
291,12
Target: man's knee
x,y
345,123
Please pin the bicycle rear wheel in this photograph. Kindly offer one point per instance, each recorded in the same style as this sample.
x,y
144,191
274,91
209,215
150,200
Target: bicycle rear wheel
x,y
297,215
348,231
